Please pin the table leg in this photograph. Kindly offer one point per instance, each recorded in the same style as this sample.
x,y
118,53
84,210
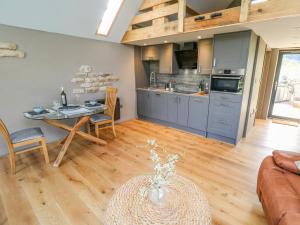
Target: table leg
x,y
73,131
66,137
64,149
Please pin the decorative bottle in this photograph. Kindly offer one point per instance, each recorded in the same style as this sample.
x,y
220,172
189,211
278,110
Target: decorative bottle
x,y
63,96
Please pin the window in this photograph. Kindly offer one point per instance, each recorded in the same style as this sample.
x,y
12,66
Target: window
x,y
109,16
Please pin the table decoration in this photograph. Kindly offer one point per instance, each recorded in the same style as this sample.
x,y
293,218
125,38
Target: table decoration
x,y
158,188
162,198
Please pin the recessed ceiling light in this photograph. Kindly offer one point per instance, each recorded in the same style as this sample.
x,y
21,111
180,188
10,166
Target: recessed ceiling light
x,y
165,41
109,16
199,37
257,1
145,44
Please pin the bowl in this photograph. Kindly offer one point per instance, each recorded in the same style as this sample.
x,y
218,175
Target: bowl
x,y
93,102
37,109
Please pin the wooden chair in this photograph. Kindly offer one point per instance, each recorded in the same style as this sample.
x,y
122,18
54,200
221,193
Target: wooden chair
x,y
109,114
19,140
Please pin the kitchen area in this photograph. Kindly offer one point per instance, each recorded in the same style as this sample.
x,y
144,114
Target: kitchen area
x,y
208,87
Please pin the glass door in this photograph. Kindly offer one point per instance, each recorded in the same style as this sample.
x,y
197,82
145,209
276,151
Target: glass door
x,y
285,101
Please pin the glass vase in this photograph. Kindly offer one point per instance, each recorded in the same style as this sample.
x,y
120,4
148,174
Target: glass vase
x,y
157,195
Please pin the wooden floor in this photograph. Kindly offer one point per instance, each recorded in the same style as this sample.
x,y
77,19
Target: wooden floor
x,y
78,191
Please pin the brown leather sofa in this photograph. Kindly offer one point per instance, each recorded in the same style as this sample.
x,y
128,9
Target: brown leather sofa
x,y
279,192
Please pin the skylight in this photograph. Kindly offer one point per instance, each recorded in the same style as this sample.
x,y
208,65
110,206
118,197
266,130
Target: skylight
x,y
109,16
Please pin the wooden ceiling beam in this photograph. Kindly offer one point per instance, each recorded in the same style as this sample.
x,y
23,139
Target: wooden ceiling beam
x,y
145,33
156,13
181,14
245,6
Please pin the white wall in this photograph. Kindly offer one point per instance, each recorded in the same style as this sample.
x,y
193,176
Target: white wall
x,y
51,61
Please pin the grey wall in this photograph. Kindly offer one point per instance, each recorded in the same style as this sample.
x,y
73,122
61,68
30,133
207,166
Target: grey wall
x,y
51,61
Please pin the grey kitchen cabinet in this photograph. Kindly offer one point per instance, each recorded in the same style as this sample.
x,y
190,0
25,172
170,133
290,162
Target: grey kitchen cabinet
x,y
205,55
231,50
150,53
178,109
144,103
172,108
198,112
183,110
167,61
224,115
159,108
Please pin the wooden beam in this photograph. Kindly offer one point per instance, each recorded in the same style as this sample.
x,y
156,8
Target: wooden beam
x,y
11,53
161,20
229,16
274,9
181,14
10,46
157,13
160,30
147,4
245,6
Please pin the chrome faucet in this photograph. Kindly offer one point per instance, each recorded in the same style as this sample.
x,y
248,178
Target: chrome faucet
x,y
152,79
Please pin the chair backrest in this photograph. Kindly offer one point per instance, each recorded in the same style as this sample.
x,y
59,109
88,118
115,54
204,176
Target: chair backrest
x,y
5,133
110,101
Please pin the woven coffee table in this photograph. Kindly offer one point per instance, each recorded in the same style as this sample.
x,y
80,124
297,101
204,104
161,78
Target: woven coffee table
x,y
184,204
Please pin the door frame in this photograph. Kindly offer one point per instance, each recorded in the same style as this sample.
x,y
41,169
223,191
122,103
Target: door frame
x,y
275,84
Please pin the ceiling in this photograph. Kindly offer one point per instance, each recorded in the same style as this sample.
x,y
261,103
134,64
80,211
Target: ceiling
x,y
279,33
81,18
71,17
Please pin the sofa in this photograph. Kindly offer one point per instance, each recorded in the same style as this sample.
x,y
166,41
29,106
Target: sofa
x,y
278,188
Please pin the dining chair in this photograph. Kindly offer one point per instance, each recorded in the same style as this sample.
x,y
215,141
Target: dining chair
x,y
23,141
108,117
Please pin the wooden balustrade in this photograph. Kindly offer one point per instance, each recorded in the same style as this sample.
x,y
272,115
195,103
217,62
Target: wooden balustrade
x,y
160,18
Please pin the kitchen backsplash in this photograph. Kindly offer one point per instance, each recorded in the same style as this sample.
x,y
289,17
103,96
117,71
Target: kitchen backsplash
x,y
185,80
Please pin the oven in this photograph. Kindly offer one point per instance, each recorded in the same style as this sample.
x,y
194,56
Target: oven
x,y
227,80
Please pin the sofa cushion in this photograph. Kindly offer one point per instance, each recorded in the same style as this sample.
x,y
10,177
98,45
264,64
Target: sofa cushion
x,y
287,160
290,218
278,191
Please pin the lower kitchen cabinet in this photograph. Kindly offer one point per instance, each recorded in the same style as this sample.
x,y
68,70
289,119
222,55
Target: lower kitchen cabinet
x,y
224,115
183,110
159,109
178,109
144,103
198,113
172,108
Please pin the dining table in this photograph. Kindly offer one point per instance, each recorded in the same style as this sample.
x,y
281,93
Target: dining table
x,y
56,115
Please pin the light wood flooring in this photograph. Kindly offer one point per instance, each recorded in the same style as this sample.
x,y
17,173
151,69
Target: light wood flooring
x,y
78,191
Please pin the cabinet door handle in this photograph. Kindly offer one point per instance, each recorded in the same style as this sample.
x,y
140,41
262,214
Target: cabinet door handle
x,y
157,94
199,101
179,99
215,62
